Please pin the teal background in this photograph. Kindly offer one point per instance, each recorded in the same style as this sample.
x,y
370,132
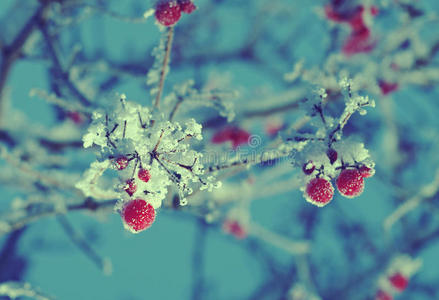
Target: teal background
x,y
158,263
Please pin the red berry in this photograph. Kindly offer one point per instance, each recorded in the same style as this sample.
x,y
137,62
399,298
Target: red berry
x,y
130,187
121,162
387,87
332,155
76,117
381,295
144,175
399,281
187,6
357,20
236,135
359,41
332,15
374,10
319,191
167,12
137,215
350,183
273,128
308,167
234,228
366,172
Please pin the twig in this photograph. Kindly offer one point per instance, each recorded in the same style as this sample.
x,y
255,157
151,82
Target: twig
x,y
12,52
63,75
163,72
88,204
292,247
198,260
425,192
38,176
175,108
103,264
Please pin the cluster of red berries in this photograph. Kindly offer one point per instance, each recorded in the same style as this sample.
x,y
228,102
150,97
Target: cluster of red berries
x,y
398,282
168,12
350,182
137,215
131,187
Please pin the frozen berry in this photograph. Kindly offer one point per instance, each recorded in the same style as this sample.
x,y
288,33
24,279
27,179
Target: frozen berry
x,y
382,295
332,155
167,12
121,162
366,172
399,281
319,191
137,215
130,186
144,175
350,183
187,6
308,167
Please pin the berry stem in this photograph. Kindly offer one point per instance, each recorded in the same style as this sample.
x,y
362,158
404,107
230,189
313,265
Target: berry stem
x,y
14,48
175,108
164,66
319,109
158,142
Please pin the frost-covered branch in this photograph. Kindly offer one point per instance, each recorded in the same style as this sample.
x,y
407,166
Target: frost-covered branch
x,y
272,238
426,192
14,290
63,75
162,61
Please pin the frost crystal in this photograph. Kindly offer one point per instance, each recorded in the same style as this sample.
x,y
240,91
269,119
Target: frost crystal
x,y
149,142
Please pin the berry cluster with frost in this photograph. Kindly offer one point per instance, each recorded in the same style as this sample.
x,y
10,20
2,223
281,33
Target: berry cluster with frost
x,y
401,59
168,12
346,163
397,277
148,152
325,158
